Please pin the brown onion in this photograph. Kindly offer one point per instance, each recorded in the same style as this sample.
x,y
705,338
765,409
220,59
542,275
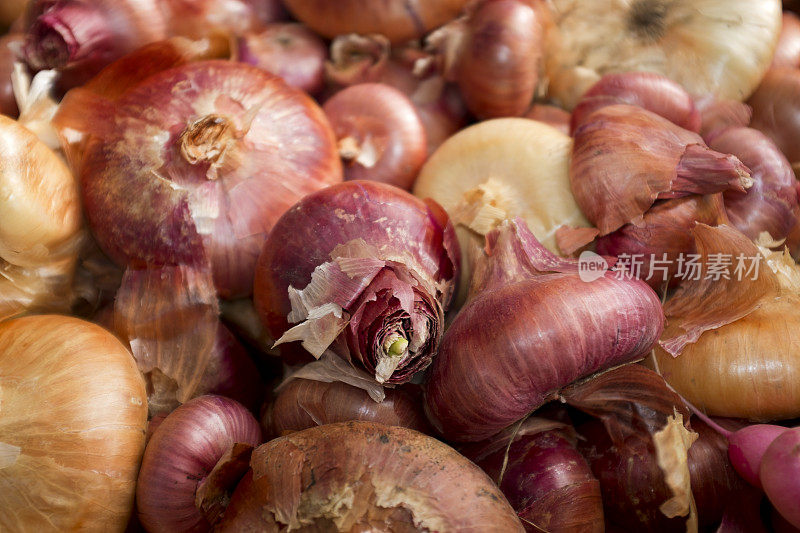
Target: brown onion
x,y
180,458
787,51
288,50
776,111
304,403
196,164
398,20
360,476
380,136
74,412
364,269
8,45
532,328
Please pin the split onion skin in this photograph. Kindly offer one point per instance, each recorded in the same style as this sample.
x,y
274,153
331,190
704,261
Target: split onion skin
x,y
72,431
148,201
395,478
183,450
398,20
381,119
303,403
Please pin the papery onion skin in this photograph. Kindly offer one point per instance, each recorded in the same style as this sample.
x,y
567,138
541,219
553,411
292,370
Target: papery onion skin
x,y
546,480
303,403
75,406
167,187
398,480
398,20
787,51
418,233
780,475
771,203
288,50
497,69
8,104
181,453
380,135
776,110
648,90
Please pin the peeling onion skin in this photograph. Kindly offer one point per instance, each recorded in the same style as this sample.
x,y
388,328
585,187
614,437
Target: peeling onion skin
x,y
647,90
8,104
81,438
780,472
304,403
787,52
776,111
381,137
183,450
398,20
395,478
771,203
145,199
692,42
384,217
288,50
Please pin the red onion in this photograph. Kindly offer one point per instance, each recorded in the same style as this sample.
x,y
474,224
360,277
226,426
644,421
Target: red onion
x,y
746,449
625,158
362,476
780,475
546,480
288,50
776,110
771,203
534,328
366,265
398,20
552,115
787,51
8,43
648,90
304,403
180,458
197,163
380,136
718,115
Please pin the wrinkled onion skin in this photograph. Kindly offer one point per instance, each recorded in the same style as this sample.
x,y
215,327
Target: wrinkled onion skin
x,y
304,403
776,110
306,235
287,152
787,51
8,104
288,50
771,203
398,20
399,480
549,483
511,349
648,90
384,117
780,475
184,448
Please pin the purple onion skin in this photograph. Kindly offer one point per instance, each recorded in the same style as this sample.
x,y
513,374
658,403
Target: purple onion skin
x,y
771,203
381,215
509,350
231,372
548,482
746,448
181,453
780,475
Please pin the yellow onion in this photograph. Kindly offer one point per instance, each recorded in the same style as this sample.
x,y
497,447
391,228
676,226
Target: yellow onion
x,y
497,170
731,346
40,225
72,426
721,47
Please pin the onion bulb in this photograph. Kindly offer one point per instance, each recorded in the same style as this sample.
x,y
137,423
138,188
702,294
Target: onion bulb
x,y
776,111
363,269
787,52
550,114
735,353
398,20
74,413
40,226
719,47
361,476
497,170
195,164
780,475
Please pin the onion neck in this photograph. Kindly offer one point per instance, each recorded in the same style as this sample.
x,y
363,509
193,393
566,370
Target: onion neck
x,y
206,140
67,33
